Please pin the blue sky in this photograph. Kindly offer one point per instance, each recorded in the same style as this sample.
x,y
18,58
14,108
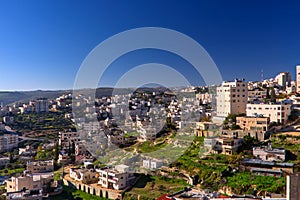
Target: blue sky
x,y
43,43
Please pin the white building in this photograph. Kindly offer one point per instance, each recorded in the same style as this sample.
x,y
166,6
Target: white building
x,y
276,112
117,178
152,164
269,154
283,79
232,98
40,166
31,182
87,176
224,144
8,141
41,105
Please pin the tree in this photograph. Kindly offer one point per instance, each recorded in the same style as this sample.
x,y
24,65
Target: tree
x,y
273,96
56,151
268,93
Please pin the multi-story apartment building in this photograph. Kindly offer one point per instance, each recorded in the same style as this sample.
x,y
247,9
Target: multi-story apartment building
x,y
8,141
87,176
40,166
118,177
232,98
298,78
283,79
32,182
258,123
276,112
256,94
66,139
224,144
269,154
41,105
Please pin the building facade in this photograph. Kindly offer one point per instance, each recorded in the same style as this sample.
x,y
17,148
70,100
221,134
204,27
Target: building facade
x,y
41,105
278,113
269,154
283,79
29,181
298,78
40,166
66,139
117,178
8,141
253,123
232,98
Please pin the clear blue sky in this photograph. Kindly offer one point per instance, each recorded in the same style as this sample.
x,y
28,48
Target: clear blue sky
x,y
43,43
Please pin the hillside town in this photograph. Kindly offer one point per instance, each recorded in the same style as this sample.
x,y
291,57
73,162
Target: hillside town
x,y
245,139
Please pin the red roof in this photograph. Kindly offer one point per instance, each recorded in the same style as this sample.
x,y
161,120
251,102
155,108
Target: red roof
x,y
165,197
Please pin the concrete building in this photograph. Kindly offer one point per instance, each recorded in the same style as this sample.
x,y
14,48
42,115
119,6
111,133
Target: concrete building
x,y
276,112
224,144
8,141
40,166
31,182
63,158
293,186
41,105
66,139
87,176
260,166
283,79
147,133
253,123
152,164
298,78
117,178
269,154
256,94
232,98
80,149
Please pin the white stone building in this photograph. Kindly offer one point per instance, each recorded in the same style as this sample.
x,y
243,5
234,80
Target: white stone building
x,y
232,98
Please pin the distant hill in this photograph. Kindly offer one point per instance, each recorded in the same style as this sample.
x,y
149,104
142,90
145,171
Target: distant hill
x,y
24,96
11,97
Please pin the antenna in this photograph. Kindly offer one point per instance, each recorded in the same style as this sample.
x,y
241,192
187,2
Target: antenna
x,y
262,74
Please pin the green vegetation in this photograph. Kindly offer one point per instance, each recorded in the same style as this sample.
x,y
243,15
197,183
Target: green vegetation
x,y
41,122
215,171
11,172
58,174
73,194
292,145
245,183
151,187
148,146
230,121
43,154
